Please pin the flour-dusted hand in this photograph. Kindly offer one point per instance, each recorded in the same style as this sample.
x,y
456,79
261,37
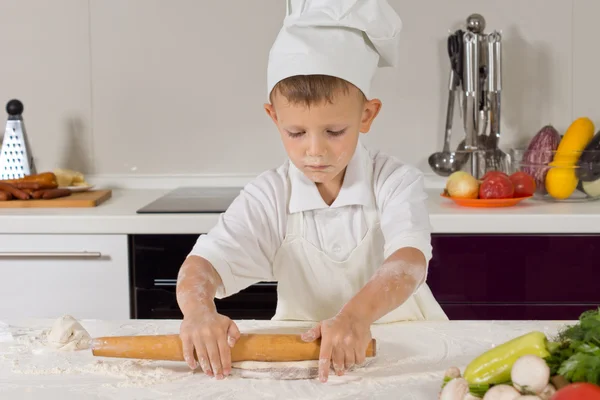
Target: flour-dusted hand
x,y
204,330
344,343
212,336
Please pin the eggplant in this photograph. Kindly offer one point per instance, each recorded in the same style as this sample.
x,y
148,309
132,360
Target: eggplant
x,y
588,165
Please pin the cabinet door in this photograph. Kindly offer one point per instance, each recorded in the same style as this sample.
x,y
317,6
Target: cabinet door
x,y
46,276
515,276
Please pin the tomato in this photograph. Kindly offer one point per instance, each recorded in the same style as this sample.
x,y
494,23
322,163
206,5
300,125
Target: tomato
x,y
496,187
524,184
490,174
578,391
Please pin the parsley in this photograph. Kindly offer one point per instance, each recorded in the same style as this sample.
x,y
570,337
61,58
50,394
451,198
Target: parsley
x,y
575,353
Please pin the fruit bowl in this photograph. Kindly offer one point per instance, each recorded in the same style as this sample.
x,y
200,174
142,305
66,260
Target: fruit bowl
x,y
568,176
486,203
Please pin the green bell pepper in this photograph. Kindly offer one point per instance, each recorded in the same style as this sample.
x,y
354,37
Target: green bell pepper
x,y
494,366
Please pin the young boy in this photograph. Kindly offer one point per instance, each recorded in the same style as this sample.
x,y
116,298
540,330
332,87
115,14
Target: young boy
x,y
342,229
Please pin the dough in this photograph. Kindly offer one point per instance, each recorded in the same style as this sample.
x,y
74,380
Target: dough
x,y
68,335
308,369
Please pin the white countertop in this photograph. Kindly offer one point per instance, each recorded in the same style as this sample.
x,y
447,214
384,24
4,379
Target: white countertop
x,y
118,216
410,363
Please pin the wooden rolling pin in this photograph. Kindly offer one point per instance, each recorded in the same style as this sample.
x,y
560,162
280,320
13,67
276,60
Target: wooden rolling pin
x,y
250,347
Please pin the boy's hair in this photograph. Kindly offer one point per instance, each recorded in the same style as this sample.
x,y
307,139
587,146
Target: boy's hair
x,y
311,89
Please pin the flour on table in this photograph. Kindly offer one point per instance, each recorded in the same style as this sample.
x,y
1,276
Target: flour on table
x,y
68,334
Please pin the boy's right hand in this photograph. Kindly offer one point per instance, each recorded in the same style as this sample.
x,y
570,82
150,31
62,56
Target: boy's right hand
x,y
212,335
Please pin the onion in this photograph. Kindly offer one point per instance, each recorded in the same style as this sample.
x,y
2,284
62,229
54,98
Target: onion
x,y
462,185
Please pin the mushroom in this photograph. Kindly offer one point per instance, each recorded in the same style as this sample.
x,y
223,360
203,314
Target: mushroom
x,y
528,397
452,373
456,389
470,396
548,392
530,374
501,392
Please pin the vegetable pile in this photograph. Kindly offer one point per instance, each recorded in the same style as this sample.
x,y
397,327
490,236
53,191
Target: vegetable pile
x,y
562,165
493,185
575,354
531,366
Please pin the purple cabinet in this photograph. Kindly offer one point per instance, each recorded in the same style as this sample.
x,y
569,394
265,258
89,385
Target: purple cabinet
x,y
515,276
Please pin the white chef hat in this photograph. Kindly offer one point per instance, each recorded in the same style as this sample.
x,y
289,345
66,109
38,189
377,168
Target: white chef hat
x,y
347,39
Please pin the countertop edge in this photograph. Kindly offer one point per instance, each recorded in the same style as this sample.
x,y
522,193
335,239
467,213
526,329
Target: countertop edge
x,y
118,215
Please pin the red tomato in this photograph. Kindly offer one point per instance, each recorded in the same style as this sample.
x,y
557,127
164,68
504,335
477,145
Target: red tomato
x,y
578,391
524,184
490,174
496,187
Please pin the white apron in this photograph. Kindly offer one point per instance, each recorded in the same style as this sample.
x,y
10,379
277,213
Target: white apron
x,y
313,287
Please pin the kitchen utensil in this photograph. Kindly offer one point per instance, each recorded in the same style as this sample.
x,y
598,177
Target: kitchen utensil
x,y
444,163
455,51
476,57
471,87
16,159
486,203
90,198
494,53
250,347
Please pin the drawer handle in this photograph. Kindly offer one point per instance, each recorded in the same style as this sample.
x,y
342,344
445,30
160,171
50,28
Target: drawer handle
x,y
50,254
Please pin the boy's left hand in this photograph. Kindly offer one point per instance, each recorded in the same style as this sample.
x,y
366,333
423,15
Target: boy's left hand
x,y
344,342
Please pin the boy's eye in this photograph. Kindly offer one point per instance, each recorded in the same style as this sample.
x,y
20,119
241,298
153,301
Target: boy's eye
x,y
336,133
294,134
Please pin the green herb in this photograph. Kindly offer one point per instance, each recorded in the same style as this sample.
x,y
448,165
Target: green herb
x,y
575,353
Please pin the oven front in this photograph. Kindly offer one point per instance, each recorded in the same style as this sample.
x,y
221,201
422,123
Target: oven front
x,y
154,263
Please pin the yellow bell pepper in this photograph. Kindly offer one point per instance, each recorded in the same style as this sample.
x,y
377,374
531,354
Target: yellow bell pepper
x,y
494,366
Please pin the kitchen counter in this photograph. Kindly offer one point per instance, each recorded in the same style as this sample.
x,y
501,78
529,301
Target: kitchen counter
x,y
118,216
410,363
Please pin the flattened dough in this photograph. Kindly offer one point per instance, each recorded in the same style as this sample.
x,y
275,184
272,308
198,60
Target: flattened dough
x,y
288,370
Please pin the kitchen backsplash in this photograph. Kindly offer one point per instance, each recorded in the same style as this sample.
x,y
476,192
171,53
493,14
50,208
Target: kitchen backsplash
x,y
137,87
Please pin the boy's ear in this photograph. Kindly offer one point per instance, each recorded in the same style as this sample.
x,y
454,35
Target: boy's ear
x,y
370,111
271,112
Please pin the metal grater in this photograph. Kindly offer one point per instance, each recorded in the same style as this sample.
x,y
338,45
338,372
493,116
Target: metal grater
x,y
16,160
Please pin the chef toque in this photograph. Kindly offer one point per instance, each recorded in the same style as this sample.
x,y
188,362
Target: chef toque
x,y
347,39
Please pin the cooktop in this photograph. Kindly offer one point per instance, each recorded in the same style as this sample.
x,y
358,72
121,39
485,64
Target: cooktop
x,y
193,200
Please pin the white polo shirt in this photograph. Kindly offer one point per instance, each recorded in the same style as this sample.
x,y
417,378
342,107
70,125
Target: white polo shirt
x,y
243,243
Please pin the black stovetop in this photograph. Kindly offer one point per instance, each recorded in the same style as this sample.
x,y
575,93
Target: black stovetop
x,y
192,199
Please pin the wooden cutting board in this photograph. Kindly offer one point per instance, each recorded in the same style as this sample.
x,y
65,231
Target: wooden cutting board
x,y
91,198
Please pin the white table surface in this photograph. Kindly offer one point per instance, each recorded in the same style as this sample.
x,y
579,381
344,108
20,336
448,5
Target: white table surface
x,y
410,364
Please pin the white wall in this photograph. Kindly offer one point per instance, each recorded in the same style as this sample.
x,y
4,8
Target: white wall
x,y
177,86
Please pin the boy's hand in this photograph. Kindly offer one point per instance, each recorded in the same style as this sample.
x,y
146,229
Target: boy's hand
x,y
344,342
211,335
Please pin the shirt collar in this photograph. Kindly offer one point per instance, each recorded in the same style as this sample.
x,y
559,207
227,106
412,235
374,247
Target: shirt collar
x,y
356,187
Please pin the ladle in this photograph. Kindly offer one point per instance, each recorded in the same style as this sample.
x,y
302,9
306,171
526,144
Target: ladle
x,y
445,162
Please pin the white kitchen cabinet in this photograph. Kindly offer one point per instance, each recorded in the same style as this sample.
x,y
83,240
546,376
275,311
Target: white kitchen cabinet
x,y
47,276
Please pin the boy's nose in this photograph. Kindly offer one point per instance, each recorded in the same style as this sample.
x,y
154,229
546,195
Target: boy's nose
x,y
316,147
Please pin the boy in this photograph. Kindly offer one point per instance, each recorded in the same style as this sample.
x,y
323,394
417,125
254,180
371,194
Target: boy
x,y
343,230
